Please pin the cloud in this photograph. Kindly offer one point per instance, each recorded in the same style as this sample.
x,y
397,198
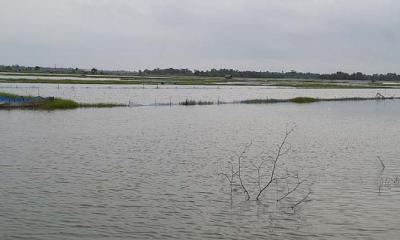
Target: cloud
x,y
307,35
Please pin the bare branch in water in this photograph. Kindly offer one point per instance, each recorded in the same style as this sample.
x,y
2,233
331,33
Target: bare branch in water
x,y
240,158
382,164
281,151
262,174
290,191
233,173
302,200
230,177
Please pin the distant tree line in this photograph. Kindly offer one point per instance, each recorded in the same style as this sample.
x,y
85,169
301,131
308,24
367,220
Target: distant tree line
x,y
58,70
167,71
38,69
231,73
268,74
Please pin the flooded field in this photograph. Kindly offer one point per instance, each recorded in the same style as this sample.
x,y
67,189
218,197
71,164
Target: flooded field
x,y
152,173
150,95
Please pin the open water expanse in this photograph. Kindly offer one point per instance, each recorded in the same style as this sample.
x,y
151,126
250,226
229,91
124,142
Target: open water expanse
x,y
152,172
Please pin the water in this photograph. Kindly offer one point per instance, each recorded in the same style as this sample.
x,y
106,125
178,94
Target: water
x,y
151,172
148,95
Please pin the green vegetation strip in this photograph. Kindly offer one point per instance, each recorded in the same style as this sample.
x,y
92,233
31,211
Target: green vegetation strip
x,y
188,102
9,95
54,104
58,103
297,100
175,80
302,100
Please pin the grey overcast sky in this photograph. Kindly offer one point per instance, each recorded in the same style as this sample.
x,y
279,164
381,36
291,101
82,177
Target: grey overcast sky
x,y
275,35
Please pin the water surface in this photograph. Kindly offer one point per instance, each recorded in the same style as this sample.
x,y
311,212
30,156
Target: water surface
x,y
151,95
151,172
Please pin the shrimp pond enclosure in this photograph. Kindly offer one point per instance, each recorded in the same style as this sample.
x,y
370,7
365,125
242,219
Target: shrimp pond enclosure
x,y
152,172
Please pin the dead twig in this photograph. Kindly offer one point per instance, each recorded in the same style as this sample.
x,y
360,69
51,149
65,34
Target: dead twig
x,y
280,153
382,164
256,179
301,201
239,174
298,184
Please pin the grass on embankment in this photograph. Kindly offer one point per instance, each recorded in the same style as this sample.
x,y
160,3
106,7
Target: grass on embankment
x,y
297,100
271,100
302,100
57,104
9,95
188,102
61,104
64,104
101,105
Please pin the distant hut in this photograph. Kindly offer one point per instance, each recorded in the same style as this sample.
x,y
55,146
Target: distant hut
x,y
228,77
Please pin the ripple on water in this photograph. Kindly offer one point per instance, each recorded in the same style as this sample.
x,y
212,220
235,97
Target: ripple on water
x,y
150,173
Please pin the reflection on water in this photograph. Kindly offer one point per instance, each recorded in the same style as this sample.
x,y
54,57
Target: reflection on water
x,y
151,173
388,179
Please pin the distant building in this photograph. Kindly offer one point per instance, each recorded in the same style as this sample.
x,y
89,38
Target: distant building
x,y
228,77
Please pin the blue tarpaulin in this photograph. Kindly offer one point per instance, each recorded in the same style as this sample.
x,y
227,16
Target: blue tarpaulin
x,y
19,99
